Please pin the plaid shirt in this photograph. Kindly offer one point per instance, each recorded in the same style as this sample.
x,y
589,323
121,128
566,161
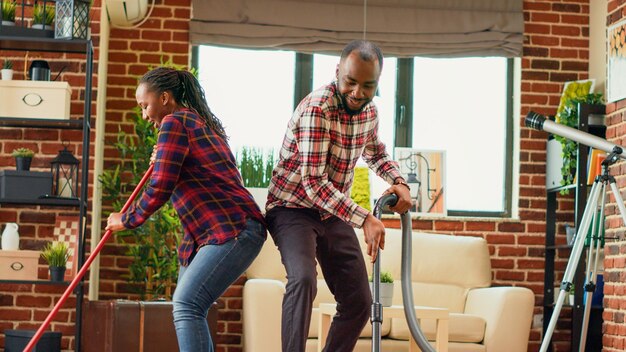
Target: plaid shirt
x,y
320,150
197,169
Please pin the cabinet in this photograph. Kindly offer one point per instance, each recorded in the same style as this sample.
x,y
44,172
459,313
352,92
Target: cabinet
x,y
552,250
84,49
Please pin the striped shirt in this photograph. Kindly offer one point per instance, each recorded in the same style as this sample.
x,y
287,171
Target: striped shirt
x,y
195,166
319,152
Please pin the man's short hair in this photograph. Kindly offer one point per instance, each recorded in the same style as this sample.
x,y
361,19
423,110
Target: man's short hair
x,y
367,50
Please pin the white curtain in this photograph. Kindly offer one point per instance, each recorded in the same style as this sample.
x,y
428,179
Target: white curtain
x,y
402,28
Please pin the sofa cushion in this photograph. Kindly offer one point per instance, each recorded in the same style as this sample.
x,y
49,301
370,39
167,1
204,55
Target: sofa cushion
x,y
461,328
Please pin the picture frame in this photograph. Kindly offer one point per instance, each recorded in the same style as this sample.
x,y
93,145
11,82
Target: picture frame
x,y
424,171
616,62
66,230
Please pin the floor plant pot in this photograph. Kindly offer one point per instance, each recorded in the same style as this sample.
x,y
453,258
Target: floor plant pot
x,y
22,164
57,273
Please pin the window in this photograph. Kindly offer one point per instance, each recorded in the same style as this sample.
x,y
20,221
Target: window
x,y
251,92
462,106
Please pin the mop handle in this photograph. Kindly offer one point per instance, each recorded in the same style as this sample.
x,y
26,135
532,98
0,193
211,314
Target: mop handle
x,y
85,267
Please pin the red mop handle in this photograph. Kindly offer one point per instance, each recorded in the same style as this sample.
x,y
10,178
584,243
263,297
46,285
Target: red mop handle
x,y
83,269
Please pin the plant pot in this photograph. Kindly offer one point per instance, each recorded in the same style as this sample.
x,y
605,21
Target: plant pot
x,y
8,23
41,26
7,74
386,293
22,164
57,273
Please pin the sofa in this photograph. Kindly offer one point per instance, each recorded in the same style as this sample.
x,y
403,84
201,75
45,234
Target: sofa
x,y
452,272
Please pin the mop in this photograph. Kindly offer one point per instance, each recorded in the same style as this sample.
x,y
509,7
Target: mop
x,y
83,269
407,290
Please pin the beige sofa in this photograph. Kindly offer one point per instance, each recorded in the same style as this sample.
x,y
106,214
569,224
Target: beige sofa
x,y
452,272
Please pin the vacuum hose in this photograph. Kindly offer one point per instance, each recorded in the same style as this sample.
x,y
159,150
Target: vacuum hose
x,y
407,289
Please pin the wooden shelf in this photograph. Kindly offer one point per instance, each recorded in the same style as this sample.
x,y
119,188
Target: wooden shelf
x,y
76,124
29,43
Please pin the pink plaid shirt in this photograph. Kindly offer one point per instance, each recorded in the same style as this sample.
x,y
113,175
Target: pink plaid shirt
x,y
320,150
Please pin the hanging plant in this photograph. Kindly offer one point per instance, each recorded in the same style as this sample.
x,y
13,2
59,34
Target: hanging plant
x,y
568,116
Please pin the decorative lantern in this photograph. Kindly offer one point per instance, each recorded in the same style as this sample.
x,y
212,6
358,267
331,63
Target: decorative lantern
x,y
71,19
64,169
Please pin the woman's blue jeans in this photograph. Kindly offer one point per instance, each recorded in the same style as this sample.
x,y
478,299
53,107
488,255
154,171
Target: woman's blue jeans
x,y
213,269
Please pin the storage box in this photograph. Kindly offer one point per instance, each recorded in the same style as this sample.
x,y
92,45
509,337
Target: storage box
x,y
121,325
16,341
35,99
24,185
18,265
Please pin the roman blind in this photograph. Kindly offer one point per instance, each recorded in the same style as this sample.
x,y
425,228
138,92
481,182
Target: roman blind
x,y
402,28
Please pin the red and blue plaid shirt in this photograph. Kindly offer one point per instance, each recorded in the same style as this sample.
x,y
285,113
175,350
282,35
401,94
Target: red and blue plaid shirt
x,y
196,168
320,150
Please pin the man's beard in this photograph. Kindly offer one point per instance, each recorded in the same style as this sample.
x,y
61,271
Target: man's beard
x,y
344,101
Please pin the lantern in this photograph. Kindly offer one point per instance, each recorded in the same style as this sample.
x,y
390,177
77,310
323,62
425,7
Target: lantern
x,y
64,169
71,19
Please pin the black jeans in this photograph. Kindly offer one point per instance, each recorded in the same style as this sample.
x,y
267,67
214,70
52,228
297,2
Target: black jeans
x,y
301,237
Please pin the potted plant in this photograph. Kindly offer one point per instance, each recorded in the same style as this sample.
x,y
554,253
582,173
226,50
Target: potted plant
x,y
43,16
23,158
568,116
256,169
8,13
56,255
7,70
386,288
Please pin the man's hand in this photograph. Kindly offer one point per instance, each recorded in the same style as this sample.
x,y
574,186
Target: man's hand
x,y
374,232
404,198
114,222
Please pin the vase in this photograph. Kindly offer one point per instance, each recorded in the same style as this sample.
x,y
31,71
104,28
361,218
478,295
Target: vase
x,y
57,273
22,164
10,237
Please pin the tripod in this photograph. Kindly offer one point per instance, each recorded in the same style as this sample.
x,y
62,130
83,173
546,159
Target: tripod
x,y
594,210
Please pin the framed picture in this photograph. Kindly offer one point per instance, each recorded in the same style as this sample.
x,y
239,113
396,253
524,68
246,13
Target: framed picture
x,y
616,65
424,171
66,230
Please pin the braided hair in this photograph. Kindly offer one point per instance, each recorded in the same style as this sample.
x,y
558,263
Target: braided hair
x,y
186,90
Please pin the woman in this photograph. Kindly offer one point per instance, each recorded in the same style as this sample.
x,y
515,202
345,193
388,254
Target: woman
x,y
223,227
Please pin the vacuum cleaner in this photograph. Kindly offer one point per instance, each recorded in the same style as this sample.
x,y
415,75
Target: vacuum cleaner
x,y
407,290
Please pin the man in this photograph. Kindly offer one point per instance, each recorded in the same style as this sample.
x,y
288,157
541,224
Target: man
x,y
309,210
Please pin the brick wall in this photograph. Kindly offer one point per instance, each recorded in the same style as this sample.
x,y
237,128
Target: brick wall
x,y
555,51
614,328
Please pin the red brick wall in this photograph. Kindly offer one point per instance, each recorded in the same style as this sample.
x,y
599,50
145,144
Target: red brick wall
x,y
555,51
614,328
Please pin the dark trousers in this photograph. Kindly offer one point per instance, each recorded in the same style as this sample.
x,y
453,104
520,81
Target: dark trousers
x,y
301,237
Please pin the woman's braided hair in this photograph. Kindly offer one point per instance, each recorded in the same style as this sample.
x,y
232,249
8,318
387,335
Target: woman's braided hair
x,y
186,90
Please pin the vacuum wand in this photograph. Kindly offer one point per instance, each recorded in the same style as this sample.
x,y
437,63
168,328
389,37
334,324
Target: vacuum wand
x,y
85,267
407,289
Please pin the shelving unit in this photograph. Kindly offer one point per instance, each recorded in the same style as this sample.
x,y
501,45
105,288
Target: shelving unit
x,y
594,332
75,46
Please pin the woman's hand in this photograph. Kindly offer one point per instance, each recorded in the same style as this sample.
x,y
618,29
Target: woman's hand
x,y
114,222
153,156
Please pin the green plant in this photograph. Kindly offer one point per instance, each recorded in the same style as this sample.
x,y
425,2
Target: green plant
x,y
255,166
22,153
43,14
385,277
8,10
56,254
8,65
360,192
568,116
153,246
